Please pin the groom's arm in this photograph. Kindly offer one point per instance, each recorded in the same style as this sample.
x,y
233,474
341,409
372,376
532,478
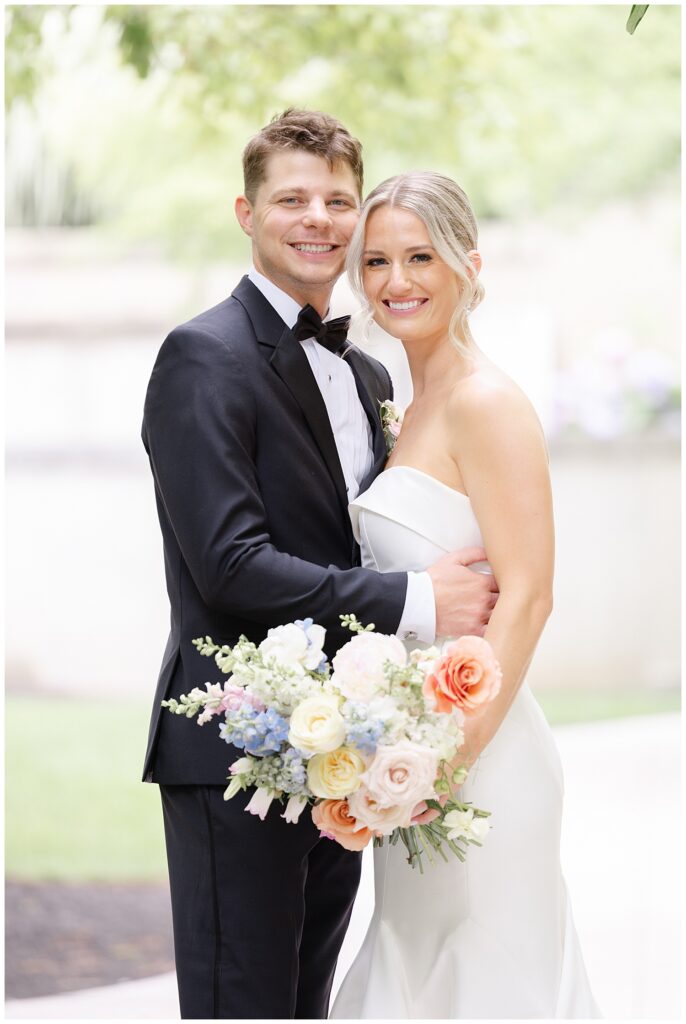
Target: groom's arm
x,y
200,433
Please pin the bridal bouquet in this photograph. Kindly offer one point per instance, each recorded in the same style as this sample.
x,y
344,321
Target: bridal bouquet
x,y
366,740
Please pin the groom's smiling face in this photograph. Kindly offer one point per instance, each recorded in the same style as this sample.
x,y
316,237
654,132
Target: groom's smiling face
x,y
301,222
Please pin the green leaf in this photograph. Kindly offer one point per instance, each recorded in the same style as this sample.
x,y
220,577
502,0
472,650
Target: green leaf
x,y
635,17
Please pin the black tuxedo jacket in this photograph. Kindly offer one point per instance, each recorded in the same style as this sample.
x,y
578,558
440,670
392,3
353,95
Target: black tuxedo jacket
x,y
253,508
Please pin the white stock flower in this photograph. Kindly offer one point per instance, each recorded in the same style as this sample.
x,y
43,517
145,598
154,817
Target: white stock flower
x,y
424,658
463,825
260,802
442,732
403,773
358,666
382,820
317,725
294,808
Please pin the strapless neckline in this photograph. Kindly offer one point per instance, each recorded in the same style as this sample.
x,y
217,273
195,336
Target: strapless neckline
x,y
407,519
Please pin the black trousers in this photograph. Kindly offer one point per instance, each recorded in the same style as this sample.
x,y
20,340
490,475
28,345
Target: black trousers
x,y
260,908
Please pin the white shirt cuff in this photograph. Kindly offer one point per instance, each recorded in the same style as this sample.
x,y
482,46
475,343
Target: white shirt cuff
x,y
418,621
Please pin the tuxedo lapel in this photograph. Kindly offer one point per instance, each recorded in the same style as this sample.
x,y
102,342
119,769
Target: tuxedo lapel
x,y
290,362
367,389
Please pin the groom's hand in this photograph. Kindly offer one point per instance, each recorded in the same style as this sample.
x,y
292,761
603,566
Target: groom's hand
x,y
464,598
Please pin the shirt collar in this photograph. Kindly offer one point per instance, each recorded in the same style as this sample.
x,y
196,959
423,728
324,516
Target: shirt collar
x,y
286,306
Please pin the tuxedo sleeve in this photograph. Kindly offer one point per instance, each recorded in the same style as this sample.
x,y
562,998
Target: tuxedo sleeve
x,y
200,434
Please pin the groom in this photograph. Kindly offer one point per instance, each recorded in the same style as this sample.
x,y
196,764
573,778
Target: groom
x,y
259,435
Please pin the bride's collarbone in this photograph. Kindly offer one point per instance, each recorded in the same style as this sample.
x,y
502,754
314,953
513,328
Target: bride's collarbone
x,y
424,444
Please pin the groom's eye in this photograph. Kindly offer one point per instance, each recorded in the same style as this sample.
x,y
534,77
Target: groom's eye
x,y
289,199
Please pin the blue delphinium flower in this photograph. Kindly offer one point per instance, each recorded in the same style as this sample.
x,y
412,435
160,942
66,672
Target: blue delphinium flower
x,y
258,732
362,731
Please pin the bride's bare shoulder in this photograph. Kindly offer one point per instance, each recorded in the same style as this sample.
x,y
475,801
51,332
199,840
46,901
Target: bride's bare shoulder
x,y
491,399
487,387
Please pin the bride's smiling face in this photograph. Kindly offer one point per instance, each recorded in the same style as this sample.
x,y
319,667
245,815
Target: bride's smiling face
x,y
413,293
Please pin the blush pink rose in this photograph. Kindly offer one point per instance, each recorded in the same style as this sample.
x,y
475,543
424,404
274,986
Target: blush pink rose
x,y
380,820
466,676
401,774
334,820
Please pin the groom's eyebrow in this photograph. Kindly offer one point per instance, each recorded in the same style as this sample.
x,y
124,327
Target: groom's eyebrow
x,y
298,190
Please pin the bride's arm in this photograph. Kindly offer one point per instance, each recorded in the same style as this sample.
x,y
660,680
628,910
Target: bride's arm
x,y
500,449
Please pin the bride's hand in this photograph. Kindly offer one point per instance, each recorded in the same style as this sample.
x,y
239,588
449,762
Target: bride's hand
x,y
422,815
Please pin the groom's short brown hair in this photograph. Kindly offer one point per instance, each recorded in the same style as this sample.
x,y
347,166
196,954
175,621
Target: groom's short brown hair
x,y
310,130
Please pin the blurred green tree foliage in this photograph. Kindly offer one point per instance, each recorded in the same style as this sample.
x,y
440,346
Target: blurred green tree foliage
x,y
528,107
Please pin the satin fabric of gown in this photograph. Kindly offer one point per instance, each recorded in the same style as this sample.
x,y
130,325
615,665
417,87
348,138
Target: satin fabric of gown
x,y
494,936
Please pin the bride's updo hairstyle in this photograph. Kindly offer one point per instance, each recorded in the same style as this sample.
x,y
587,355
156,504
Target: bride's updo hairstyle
x,y
444,208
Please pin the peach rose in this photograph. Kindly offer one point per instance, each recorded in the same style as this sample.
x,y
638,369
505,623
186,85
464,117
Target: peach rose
x,y
333,817
467,676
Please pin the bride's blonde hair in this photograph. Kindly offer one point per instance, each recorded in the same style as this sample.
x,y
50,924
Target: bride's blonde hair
x,y
445,210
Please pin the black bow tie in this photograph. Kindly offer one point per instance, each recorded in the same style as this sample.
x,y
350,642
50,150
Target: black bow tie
x,y
332,334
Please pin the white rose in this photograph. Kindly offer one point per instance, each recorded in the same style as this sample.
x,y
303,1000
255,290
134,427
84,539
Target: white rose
x,y
403,773
335,775
358,666
382,820
317,725
285,644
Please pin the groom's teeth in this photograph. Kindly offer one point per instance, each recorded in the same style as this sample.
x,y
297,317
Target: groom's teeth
x,y
307,247
406,305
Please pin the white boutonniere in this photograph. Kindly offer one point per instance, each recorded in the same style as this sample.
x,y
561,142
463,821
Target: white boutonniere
x,y
391,422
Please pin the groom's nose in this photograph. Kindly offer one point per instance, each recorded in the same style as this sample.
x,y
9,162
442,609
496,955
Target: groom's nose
x,y
316,213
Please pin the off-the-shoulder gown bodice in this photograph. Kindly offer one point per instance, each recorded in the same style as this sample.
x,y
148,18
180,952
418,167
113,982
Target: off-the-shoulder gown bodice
x,y
493,937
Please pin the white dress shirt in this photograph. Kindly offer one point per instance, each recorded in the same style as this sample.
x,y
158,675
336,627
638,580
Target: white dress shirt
x,y
353,437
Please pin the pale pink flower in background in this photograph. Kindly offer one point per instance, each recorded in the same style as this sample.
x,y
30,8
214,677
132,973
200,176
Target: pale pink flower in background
x,y
403,773
358,666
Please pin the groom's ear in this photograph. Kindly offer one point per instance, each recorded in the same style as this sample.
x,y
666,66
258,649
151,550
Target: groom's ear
x,y
243,211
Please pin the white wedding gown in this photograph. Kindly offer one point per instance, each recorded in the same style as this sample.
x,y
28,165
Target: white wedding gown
x,y
494,936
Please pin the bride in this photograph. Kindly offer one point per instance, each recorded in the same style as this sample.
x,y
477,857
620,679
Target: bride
x,y
493,937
